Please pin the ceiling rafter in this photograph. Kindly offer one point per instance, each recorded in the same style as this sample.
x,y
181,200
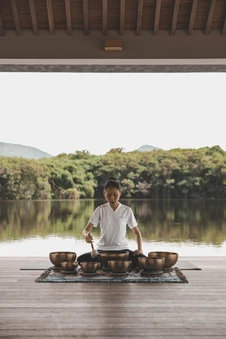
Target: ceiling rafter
x,y
122,17
15,16
50,16
105,13
2,32
86,16
192,17
33,16
224,27
139,16
68,16
210,17
175,16
157,16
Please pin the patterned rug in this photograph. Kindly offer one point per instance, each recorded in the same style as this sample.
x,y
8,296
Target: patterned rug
x,y
173,275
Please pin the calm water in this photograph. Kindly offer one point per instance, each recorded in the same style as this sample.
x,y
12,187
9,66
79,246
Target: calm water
x,y
35,228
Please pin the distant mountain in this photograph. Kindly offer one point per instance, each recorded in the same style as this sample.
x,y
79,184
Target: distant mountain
x,y
13,150
147,148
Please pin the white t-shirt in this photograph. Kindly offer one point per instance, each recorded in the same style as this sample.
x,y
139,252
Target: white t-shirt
x,y
113,226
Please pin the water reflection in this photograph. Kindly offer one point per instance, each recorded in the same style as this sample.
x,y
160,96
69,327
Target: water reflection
x,y
175,221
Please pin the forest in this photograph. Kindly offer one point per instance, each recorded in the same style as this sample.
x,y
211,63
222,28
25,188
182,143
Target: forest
x,y
159,174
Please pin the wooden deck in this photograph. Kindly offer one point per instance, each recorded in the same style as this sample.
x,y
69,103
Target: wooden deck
x,y
44,310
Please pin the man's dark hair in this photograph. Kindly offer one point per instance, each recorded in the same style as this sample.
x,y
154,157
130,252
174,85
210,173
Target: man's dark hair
x,y
112,182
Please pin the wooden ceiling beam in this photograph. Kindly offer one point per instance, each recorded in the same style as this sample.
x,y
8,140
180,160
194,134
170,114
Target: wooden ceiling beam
x,y
139,16
175,16
210,17
15,16
86,16
224,27
192,17
68,16
157,16
122,17
50,16
105,13
2,32
33,16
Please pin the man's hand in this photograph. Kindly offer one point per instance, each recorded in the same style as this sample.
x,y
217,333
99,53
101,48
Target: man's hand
x,y
88,237
137,252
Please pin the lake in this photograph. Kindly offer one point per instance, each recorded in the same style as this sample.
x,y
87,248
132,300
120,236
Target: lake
x,y
189,227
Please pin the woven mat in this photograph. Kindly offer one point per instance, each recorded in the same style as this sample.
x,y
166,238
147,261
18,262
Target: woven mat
x,y
173,275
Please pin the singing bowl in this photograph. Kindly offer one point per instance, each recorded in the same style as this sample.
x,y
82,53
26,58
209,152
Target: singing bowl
x,y
89,266
170,257
151,264
104,257
57,258
69,265
119,266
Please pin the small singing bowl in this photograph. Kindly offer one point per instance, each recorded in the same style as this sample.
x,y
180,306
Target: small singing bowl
x,y
69,265
119,266
151,264
89,266
170,257
57,258
104,257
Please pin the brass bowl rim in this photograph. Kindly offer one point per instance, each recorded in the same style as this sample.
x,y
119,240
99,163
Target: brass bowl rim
x,y
120,261
90,262
56,252
154,257
113,252
166,252
69,262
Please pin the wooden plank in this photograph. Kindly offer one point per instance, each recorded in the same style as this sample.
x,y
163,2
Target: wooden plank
x,y
105,13
50,16
86,17
210,17
175,16
122,16
157,16
192,16
139,16
15,16
115,331
224,27
2,32
33,16
68,16
122,324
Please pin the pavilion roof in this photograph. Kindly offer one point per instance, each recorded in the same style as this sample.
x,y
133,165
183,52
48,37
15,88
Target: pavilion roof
x,y
120,15
147,30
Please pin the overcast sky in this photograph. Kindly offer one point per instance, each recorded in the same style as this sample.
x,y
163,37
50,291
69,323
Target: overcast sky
x,y
64,112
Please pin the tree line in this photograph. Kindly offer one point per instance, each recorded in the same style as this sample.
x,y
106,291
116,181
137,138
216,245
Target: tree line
x,y
159,174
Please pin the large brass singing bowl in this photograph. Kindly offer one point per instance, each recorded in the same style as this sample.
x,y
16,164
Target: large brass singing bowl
x,y
151,264
119,266
89,267
104,257
69,265
57,258
170,257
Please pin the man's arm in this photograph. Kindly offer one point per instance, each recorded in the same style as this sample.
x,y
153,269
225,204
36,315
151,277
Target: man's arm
x,y
86,233
138,235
